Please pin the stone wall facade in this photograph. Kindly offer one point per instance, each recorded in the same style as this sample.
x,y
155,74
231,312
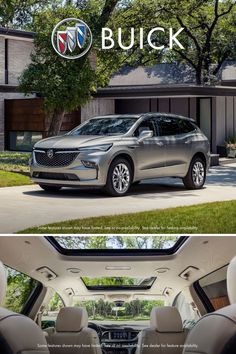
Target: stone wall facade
x,y
18,54
18,58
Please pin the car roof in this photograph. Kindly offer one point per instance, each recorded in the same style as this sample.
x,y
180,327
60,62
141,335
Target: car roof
x,y
144,115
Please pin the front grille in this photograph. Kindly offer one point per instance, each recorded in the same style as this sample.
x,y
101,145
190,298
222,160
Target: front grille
x,y
58,176
59,158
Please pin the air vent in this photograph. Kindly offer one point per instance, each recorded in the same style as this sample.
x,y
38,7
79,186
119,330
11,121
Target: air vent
x,y
188,272
47,273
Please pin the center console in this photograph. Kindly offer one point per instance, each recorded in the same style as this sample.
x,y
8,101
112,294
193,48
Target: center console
x,y
122,341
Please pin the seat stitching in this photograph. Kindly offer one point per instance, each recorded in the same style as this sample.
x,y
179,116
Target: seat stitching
x,y
218,314
13,315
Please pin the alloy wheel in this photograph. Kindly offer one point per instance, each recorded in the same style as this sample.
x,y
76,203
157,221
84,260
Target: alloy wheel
x,y
121,178
198,173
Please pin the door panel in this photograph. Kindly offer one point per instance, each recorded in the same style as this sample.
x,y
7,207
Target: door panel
x,y
178,152
177,146
150,154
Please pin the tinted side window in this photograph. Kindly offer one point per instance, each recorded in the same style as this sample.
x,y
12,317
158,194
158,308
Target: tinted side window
x,y
215,288
19,289
187,309
168,126
185,126
145,125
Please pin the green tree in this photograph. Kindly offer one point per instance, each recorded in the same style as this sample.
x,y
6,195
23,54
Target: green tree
x,y
19,14
116,242
19,288
208,35
64,84
55,304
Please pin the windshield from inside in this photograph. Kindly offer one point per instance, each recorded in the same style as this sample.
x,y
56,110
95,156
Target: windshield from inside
x,y
105,126
110,312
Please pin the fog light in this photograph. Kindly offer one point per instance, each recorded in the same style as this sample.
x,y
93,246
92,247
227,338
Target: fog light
x,y
36,174
89,164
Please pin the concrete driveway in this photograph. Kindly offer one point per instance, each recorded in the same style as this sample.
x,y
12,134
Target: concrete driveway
x,y
27,206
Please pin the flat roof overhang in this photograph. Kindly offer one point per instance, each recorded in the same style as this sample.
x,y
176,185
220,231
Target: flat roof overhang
x,y
148,91
9,32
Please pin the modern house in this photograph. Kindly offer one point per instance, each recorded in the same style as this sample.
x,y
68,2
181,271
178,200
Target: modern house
x,y
163,87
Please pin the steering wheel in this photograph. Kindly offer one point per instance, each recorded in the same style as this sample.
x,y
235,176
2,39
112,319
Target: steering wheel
x,y
96,328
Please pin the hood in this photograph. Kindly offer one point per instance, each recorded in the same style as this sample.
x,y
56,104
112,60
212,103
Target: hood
x,y
72,141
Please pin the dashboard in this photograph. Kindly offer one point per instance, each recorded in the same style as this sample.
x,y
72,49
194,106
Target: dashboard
x,y
117,339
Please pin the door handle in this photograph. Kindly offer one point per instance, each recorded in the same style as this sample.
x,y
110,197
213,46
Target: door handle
x,y
160,143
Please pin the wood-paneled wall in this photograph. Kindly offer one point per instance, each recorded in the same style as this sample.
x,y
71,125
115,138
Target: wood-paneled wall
x,y
28,115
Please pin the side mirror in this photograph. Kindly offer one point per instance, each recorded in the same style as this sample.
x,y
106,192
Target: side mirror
x,y
145,134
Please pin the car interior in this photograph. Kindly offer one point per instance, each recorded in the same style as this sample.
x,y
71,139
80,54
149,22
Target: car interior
x,y
117,294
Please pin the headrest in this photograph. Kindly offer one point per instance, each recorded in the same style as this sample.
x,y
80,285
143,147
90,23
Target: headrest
x,y
231,283
71,319
166,319
3,282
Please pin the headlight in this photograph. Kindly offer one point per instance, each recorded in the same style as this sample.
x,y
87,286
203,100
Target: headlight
x,y
103,147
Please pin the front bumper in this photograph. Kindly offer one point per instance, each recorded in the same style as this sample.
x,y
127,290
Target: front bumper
x,y
74,175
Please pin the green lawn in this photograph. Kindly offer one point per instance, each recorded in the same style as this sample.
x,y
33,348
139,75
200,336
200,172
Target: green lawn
x,y
9,179
14,161
213,218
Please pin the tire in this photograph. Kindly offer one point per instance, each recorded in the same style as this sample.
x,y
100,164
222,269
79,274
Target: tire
x,y
115,186
48,188
196,175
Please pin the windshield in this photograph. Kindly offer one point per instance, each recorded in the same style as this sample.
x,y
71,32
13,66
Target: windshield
x,y
105,126
110,312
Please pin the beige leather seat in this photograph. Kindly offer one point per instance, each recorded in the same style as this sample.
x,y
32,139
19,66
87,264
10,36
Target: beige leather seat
x,y
18,333
165,334
71,334
215,333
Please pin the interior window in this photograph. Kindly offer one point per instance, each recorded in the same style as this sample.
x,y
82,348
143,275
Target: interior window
x,y
185,126
168,126
147,124
51,311
215,288
187,309
19,289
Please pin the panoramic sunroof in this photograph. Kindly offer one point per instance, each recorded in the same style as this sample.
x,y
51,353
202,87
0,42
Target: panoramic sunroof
x,y
117,283
118,245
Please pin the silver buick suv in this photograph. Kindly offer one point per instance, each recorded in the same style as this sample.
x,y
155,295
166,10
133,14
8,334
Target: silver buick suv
x,y
116,151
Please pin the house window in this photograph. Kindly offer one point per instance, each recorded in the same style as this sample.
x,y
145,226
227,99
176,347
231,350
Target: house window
x,y
23,141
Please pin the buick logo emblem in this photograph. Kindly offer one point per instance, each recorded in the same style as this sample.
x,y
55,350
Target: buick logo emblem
x,y
71,38
50,154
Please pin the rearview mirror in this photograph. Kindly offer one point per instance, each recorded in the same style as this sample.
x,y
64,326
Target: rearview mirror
x,y
145,134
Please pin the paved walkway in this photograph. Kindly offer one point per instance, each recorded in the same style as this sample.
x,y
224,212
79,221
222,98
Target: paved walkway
x,y
27,206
